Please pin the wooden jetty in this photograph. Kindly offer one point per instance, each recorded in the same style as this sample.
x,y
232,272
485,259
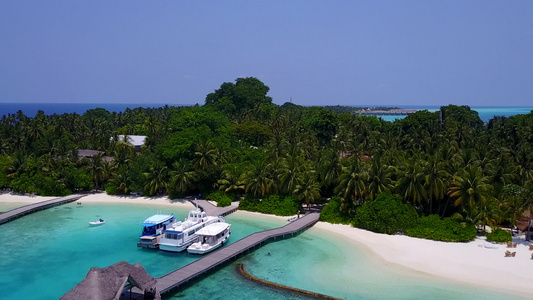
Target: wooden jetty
x,y
210,262
31,208
212,210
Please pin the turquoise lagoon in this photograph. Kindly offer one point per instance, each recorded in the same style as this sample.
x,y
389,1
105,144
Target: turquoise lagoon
x,y
485,113
43,255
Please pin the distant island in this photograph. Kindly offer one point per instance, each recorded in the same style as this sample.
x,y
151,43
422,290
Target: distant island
x,y
385,111
379,110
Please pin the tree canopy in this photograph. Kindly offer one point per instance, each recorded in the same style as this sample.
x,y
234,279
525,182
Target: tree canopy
x,y
444,163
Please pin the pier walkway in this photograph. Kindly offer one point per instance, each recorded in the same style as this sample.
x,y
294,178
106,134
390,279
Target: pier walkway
x,y
212,210
31,208
192,271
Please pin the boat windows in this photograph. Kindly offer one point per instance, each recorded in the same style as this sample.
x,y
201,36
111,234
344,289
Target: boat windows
x,y
149,230
173,236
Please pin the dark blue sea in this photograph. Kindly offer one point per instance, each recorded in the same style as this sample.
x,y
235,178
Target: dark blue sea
x,y
30,109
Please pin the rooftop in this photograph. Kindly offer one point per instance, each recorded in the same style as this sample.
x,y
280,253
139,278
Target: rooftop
x,y
213,229
158,218
134,140
108,283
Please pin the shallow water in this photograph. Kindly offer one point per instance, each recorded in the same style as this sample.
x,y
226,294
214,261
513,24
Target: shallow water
x,y
52,250
485,113
319,262
45,254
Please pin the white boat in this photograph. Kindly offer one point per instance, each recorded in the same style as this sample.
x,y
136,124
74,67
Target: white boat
x,y
153,228
179,236
210,238
96,223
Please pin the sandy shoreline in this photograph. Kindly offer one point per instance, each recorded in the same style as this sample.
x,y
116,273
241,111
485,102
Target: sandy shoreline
x,y
470,263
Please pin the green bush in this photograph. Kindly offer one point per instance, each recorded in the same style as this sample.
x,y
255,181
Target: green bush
x,y
248,203
39,184
499,236
215,196
220,198
111,190
272,204
447,230
386,214
332,213
224,201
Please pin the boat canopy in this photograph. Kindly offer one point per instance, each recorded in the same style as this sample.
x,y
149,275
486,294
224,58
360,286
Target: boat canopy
x,y
213,229
157,219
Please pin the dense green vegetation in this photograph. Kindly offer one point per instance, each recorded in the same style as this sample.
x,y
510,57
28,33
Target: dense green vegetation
x,y
272,204
281,158
385,214
220,198
499,236
448,229
332,212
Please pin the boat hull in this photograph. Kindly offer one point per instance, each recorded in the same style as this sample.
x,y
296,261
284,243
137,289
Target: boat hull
x,y
200,250
96,223
173,248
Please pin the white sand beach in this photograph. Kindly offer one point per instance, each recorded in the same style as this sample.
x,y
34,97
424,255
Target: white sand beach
x,y
466,262
471,262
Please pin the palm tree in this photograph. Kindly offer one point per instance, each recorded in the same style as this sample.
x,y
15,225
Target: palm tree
x,y
308,190
331,168
232,180
151,125
290,175
380,178
411,182
156,180
352,183
181,176
435,180
501,171
121,181
258,180
470,188
123,154
95,166
16,165
205,155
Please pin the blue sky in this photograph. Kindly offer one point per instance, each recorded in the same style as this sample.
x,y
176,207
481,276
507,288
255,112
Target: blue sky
x,y
315,52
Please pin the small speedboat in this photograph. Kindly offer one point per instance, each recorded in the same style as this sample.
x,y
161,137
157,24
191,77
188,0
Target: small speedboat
x,y
96,223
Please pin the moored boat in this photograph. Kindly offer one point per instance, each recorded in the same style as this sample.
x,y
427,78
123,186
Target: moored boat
x,y
210,238
179,236
96,223
153,228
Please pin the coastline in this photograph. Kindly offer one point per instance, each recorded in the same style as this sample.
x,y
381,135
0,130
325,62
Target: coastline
x,y
469,263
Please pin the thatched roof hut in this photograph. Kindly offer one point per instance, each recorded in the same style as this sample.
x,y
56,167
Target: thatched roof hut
x,y
88,153
108,283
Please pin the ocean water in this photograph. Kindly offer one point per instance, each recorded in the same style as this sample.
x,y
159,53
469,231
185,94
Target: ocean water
x,y
43,255
30,109
485,113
